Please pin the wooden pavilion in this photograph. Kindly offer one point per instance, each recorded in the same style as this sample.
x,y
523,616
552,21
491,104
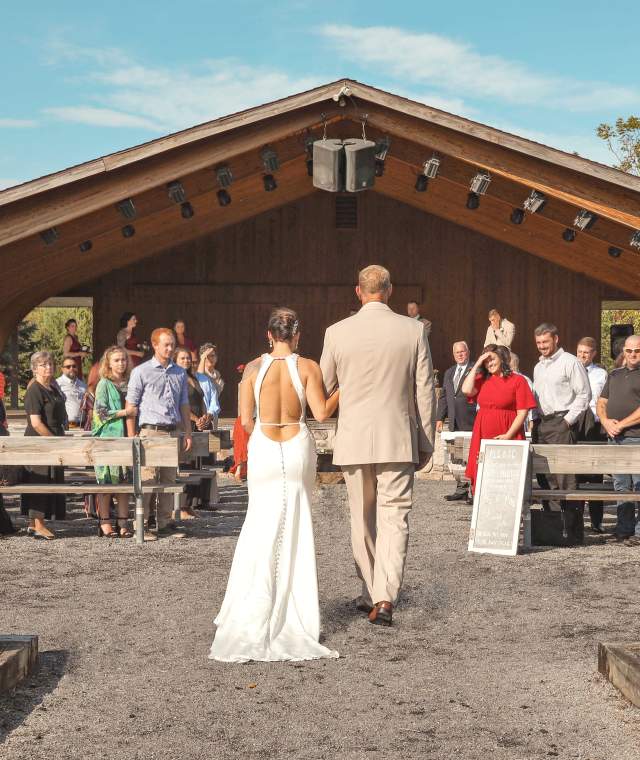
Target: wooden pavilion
x,y
223,268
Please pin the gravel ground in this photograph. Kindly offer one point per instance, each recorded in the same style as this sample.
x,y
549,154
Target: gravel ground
x,y
490,656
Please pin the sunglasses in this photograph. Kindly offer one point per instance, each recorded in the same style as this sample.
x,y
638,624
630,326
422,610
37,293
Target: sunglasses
x,y
632,350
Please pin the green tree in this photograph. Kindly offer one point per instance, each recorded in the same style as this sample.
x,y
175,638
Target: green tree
x,y
623,139
27,345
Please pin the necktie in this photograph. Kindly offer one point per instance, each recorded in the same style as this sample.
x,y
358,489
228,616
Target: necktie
x,y
456,379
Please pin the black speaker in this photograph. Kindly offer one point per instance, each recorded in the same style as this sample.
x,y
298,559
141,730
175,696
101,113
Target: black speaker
x,y
619,333
328,165
361,165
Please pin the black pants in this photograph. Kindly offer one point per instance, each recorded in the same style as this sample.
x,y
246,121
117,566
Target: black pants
x,y
596,508
555,430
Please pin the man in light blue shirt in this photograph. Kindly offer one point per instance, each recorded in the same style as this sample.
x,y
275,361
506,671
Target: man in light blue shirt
x,y
158,395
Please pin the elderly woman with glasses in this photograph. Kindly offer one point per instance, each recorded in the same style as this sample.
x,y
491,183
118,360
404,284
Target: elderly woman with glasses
x,y
44,405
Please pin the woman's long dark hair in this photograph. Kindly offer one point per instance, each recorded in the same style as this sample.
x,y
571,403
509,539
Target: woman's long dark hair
x,y
503,354
125,318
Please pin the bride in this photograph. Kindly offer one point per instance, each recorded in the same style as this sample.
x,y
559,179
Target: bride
x,y
270,610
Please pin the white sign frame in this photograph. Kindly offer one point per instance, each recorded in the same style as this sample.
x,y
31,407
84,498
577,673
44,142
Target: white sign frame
x,y
522,488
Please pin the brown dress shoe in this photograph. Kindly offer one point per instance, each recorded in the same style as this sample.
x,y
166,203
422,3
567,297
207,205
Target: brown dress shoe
x,y
381,614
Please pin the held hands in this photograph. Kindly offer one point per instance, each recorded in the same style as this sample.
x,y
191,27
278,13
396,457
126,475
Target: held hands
x,y
612,427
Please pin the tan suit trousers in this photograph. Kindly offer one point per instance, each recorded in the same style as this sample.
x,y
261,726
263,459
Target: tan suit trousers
x,y
380,498
165,475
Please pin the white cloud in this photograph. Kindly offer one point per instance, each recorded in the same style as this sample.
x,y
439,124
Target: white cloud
x,y
101,117
455,67
17,123
129,94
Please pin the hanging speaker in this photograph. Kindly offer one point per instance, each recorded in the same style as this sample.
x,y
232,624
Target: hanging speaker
x,y
328,165
360,165
619,333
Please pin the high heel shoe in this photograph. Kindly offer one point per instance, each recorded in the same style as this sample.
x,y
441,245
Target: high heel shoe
x,y
46,536
108,534
123,529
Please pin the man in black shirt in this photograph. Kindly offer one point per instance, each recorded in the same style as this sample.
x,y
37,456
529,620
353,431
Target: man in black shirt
x,y
619,411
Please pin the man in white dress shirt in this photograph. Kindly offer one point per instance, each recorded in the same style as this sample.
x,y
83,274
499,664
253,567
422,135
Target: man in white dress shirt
x,y
591,430
73,389
562,390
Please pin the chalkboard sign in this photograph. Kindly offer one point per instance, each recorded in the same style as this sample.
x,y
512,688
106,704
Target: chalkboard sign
x,y
497,502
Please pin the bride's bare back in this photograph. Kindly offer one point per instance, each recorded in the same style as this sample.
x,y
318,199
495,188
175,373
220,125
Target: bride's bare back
x,y
280,410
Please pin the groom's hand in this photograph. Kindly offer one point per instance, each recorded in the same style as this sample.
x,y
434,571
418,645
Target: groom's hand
x,y
423,459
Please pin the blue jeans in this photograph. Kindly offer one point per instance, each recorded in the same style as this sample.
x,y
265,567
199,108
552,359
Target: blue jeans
x,y
626,524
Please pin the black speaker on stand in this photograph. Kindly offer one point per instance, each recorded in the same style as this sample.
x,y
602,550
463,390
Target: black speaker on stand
x,y
619,333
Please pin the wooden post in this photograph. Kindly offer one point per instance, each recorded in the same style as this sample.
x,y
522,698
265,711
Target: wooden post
x,y
15,370
137,489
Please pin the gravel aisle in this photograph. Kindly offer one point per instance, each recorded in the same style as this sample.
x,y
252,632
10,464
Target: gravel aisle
x,y
490,657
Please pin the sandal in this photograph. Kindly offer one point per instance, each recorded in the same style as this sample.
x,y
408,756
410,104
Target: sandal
x,y
107,534
123,529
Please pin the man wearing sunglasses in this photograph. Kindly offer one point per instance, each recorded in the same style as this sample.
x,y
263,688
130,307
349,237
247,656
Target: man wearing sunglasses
x,y
73,389
619,411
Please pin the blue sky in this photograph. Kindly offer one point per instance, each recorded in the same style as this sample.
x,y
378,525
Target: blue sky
x,y
79,81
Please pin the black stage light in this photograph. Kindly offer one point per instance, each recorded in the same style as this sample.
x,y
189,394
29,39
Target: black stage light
x,y
50,236
379,167
310,167
186,209
270,160
422,182
128,231
224,176
569,235
473,201
269,182
614,252
86,246
176,191
635,239
224,199
126,208
517,216
382,148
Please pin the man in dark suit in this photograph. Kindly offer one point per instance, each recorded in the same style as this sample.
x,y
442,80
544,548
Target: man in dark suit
x,y
454,405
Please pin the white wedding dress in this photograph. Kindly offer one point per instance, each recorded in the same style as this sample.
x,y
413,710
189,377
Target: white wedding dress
x,y
270,610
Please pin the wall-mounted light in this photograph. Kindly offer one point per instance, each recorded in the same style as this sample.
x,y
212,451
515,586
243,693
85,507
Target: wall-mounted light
x,y
635,239
569,235
269,182
480,183
176,191
422,183
224,176
269,160
473,201
186,210
534,202
50,236
584,219
517,216
614,252
126,208
128,231
224,199
86,246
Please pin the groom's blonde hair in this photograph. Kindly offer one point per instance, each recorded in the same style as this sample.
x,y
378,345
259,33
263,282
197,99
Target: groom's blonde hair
x,y
374,279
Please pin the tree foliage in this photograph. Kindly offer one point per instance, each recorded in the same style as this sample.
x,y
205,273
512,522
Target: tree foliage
x,y
615,317
623,139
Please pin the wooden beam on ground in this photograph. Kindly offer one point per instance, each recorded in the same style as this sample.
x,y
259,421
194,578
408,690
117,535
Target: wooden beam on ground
x,y
620,664
18,658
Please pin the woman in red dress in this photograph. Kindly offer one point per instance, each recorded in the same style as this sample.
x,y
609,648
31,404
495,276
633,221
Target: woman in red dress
x,y
504,399
182,341
127,339
71,346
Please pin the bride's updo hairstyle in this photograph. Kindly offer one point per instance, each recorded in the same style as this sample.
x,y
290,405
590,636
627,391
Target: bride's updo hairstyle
x,y
283,324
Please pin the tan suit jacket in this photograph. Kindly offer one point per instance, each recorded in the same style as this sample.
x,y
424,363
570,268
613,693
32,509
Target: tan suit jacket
x,y
382,363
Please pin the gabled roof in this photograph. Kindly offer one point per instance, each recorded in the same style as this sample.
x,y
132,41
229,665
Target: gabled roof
x,y
80,201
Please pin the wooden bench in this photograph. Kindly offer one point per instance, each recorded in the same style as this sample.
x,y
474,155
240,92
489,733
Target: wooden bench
x,y
75,451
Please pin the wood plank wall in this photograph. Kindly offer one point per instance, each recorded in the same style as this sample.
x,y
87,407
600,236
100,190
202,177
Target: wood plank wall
x,y
224,285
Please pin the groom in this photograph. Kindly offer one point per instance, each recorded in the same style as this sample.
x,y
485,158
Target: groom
x,y
382,364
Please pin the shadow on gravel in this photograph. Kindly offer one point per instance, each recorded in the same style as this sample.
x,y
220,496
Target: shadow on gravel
x,y
16,706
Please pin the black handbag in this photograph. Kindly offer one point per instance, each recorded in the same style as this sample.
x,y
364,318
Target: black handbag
x,y
564,528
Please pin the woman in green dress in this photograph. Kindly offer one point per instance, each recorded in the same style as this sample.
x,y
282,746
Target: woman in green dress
x,y
108,421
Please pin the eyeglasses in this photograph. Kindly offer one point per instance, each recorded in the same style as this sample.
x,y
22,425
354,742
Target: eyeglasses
x,y
632,350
